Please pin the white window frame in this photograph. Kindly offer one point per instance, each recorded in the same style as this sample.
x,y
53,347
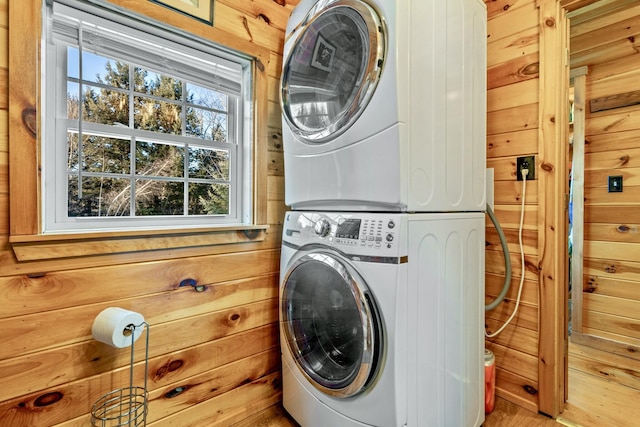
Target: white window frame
x,y
175,49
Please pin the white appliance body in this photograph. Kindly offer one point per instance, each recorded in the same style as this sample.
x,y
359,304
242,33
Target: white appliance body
x,y
386,112
381,318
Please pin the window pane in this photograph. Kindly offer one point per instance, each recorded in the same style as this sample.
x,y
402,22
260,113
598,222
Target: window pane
x,y
148,126
100,197
206,97
72,152
102,154
157,116
73,64
153,159
105,106
100,69
208,199
72,100
206,124
208,164
152,83
159,198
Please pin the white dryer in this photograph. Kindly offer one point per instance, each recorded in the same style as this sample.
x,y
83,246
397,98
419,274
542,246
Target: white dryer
x,y
381,319
383,105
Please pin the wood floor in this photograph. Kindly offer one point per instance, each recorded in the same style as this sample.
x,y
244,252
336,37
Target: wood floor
x,y
604,390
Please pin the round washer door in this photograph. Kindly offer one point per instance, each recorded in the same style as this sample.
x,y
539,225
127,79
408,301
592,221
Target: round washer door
x,y
332,70
331,324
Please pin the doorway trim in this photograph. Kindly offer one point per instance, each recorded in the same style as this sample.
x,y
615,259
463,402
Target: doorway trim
x,y
553,200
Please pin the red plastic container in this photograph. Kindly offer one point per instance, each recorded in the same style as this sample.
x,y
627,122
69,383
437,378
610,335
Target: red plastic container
x,y
489,381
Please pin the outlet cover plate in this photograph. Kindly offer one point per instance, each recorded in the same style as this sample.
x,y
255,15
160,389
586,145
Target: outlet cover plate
x,y
530,161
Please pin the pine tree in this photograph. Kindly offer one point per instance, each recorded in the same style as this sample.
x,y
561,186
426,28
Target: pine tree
x,y
106,104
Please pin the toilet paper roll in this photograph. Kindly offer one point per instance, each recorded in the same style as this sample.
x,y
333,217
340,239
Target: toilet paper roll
x,y
110,326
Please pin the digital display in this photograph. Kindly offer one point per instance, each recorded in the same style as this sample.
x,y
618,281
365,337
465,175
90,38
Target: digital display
x,y
349,229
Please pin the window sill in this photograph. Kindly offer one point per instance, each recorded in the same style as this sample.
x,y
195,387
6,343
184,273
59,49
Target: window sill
x,y
49,247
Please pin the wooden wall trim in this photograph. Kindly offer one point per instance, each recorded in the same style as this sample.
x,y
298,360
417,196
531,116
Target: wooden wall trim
x,y
76,245
260,143
24,66
552,190
571,5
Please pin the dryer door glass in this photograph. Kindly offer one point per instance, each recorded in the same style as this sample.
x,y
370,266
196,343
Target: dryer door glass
x,y
332,69
331,324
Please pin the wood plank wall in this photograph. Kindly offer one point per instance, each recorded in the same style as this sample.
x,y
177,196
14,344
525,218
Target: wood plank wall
x,y
214,355
512,131
611,279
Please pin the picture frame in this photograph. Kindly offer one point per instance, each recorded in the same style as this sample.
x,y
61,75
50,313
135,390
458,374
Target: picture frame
x,y
323,54
202,10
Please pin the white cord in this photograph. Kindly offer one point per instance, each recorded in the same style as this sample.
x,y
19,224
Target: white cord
x,y
524,172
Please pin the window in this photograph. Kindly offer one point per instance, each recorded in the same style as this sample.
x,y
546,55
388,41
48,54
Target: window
x,y
144,127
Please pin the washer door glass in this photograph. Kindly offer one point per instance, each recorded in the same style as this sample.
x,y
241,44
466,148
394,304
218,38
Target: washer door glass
x,y
331,324
332,70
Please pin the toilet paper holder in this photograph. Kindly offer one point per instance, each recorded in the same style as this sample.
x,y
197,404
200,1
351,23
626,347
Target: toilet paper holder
x,y
126,406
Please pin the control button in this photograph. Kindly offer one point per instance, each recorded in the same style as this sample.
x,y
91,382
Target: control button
x,y
389,237
322,228
391,224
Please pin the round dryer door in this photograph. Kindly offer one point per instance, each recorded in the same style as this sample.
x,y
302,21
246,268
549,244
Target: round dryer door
x,y
331,71
331,324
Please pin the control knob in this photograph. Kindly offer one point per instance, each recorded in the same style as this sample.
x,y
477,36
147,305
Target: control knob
x,y
322,228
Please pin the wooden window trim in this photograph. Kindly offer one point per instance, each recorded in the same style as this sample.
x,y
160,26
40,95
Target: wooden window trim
x,y
43,247
26,238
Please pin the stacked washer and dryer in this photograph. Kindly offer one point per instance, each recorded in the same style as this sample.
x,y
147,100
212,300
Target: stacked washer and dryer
x,y
382,266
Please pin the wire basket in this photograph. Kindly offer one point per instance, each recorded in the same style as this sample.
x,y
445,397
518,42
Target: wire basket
x,y
121,407
125,406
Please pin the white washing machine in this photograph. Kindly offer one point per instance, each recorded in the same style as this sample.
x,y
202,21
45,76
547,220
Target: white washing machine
x,y
384,105
381,319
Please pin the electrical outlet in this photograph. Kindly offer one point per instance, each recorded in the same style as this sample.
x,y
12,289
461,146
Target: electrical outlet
x,y
526,162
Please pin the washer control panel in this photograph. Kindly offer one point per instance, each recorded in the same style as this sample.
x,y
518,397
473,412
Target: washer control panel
x,y
365,231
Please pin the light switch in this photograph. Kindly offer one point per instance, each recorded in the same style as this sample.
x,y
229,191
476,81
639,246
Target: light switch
x,y
615,184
